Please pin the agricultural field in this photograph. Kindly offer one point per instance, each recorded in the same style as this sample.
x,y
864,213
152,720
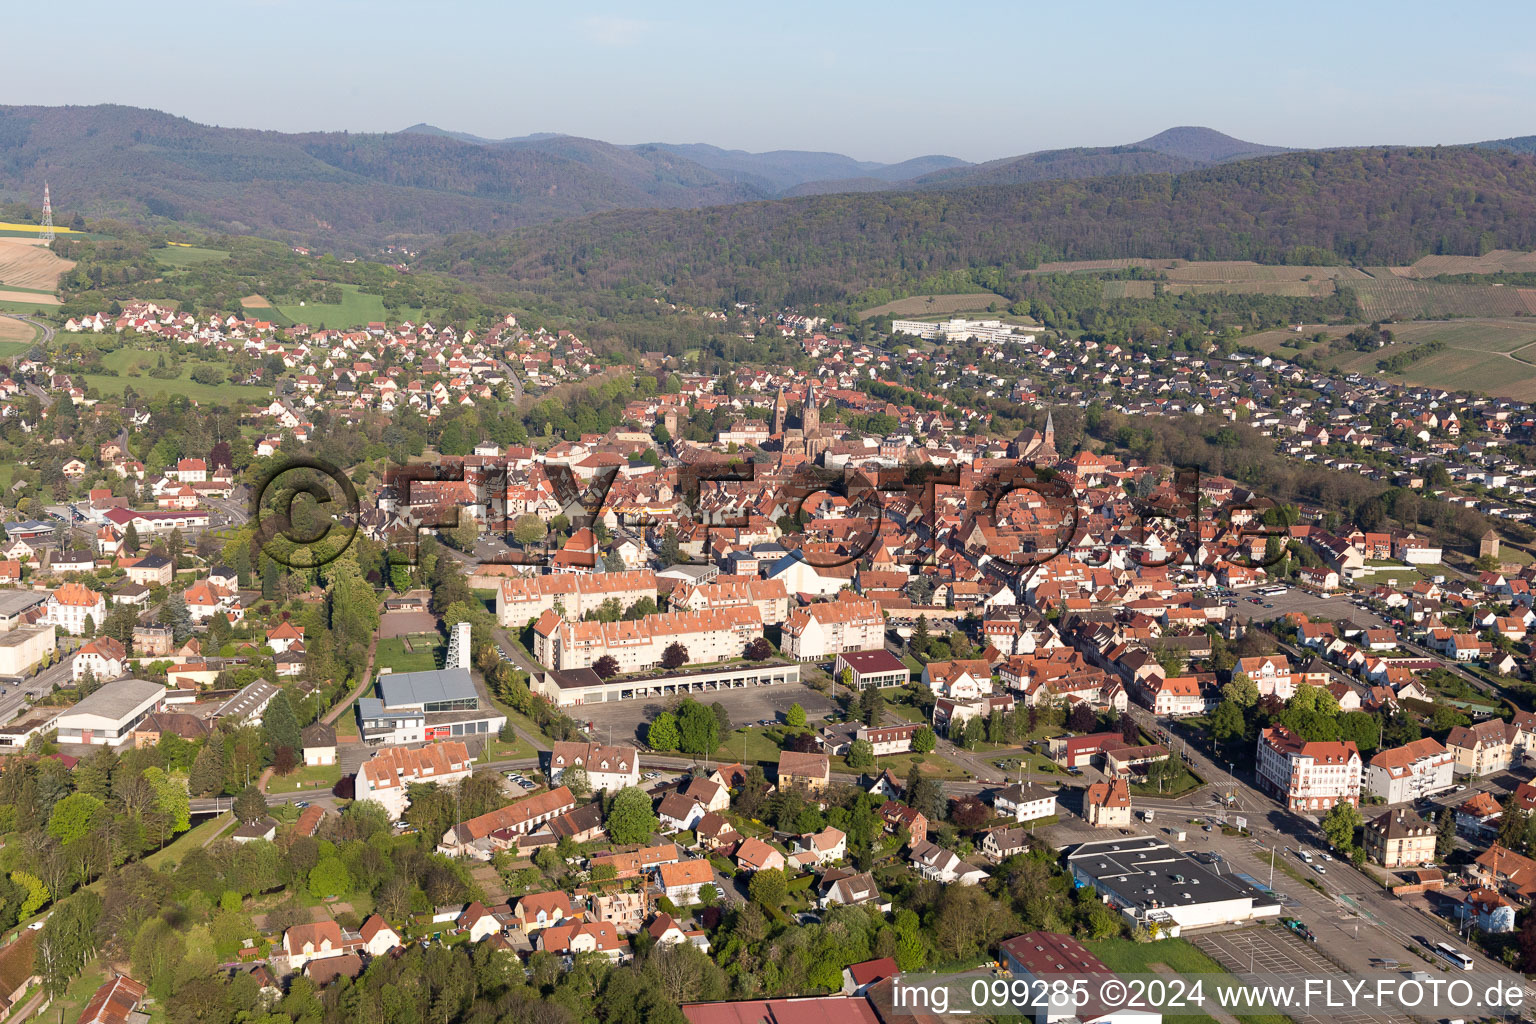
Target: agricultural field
x,y
1494,262
1246,272
14,333
1128,290
1388,296
1077,266
31,267
1297,289
935,305
1491,356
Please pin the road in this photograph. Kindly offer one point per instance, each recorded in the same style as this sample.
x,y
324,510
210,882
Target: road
x,y
1352,898
28,691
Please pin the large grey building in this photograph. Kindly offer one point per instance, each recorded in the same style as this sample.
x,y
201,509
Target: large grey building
x,y
415,707
1163,889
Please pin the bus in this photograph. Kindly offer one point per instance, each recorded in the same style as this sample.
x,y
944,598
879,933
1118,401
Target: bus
x,y
1453,956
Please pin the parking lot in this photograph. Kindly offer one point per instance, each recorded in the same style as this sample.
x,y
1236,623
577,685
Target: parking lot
x,y
1337,606
747,706
1276,951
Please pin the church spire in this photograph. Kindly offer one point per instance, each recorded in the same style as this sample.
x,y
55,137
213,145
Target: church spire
x,y
1050,427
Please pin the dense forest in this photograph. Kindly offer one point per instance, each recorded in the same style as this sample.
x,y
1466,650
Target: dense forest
x,y
1364,206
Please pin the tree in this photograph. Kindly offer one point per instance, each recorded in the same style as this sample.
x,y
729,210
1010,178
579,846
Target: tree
x,y
73,817
528,530
968,811
1082,719
1227,722
758,650
279,724
250,805
606,667
209,769
575,779
1130,732
871,706
920,638
131,539
1241,690
722,718
674,657
1445,835
329,877
861,755
924,740
662,734
631,818
175,614
1339,825
697,728
768,888
795,716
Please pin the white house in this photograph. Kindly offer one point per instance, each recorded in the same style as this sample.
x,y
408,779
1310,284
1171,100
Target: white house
x,y
1025,801
70,605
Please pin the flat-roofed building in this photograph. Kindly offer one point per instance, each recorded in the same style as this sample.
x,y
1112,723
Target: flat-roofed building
x,y
1151,883
872,668
24,647
107,717
417,707
570,687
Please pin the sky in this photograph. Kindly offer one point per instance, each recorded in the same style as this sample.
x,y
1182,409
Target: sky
x,y
877,81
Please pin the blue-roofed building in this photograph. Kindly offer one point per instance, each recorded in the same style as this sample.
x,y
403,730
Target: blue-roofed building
x,y
418,707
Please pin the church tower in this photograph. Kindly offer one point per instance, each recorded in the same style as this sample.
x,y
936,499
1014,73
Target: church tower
x,y
810,414
780,413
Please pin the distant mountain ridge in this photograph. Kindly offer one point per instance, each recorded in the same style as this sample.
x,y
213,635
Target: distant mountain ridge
x,y
359,189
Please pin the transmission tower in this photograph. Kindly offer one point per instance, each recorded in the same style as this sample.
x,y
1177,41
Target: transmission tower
x,y
46,234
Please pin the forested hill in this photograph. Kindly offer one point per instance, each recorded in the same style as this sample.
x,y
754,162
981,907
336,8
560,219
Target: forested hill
x,y
1365,206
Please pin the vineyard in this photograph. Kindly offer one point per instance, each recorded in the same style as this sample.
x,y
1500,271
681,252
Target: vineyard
x,y
1495,262
1389,297
938,305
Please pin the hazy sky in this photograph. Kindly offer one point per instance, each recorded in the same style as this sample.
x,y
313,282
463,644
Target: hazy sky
x,y
879,81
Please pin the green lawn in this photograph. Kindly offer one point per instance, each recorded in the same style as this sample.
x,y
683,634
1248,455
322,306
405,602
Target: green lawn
x,y
204,394
391,654
1183,783
10,306
499,750
354,310
932,765
319,779
188,841
16,348
752,743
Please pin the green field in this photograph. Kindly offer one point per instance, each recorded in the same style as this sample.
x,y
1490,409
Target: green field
x,y
132,366
1179,956
354,310
14,348
8,306
188,256
391,654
